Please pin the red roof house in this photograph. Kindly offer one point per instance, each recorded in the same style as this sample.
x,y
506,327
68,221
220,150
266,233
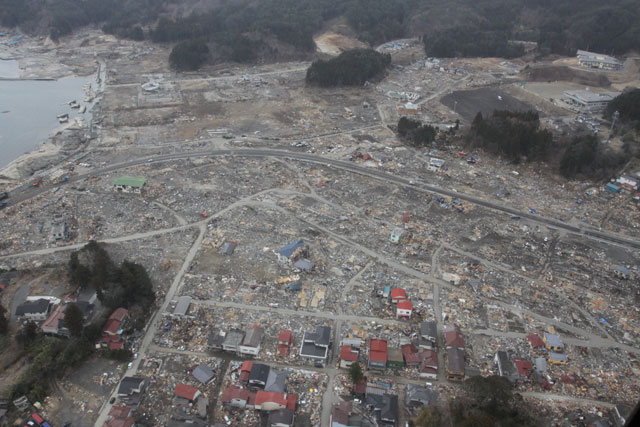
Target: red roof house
x,y
119,417
116,345
186,392
245,371
536,342
285,340
235,396
428,364
377,353
404,309
397,295
348,355
524,367
269,400
453,338
119,314
292,401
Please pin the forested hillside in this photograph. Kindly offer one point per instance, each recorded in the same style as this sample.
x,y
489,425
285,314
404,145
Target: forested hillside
x,y
244,30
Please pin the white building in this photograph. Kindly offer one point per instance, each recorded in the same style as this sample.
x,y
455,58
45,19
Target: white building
x,y
587,101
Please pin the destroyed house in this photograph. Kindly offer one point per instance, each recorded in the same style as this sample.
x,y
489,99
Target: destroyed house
x,y
455,364
280,418
553,342
186,392
54,324
285,340
524,368
506,368
384,408
536,342
315,345
202,373
34,310
410,355
428,364
119,416
377,354
228,248
621,272
348,355
418,396
215,340
259,375
305,265
128,184
232,340
428,335
291,249
453,337
235,396
251,342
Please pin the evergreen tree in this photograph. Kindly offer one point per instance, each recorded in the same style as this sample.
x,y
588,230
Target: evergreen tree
x,y
73,320
355,373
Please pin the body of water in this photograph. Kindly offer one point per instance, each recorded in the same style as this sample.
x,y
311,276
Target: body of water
x,y
29,109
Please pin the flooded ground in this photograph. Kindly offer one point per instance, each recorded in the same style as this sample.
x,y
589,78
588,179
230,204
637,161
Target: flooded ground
x,y
29,109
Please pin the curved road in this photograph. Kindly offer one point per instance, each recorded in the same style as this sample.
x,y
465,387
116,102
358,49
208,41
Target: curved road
x,y
27,191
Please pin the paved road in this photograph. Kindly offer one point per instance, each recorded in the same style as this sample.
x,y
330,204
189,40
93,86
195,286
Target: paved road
x,y
290,312
27,191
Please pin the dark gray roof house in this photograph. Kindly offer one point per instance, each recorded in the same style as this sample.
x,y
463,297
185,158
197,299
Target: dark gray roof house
x,y
304,264
182,306
384,407
228,248
315,345
280,418
259,375
276,381
232,340
203,373
506,367
428,335
215,340
418,396
131,385
288,250
36,309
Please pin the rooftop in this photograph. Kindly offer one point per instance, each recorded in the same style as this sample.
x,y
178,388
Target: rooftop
x,y
130,181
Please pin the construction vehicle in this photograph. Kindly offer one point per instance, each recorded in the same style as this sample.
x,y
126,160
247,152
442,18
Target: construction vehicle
x,y
60,180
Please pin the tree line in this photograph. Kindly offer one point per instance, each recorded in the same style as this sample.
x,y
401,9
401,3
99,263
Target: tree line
x,y
517,136
514,135
351,68
126,285
416,133
242,30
